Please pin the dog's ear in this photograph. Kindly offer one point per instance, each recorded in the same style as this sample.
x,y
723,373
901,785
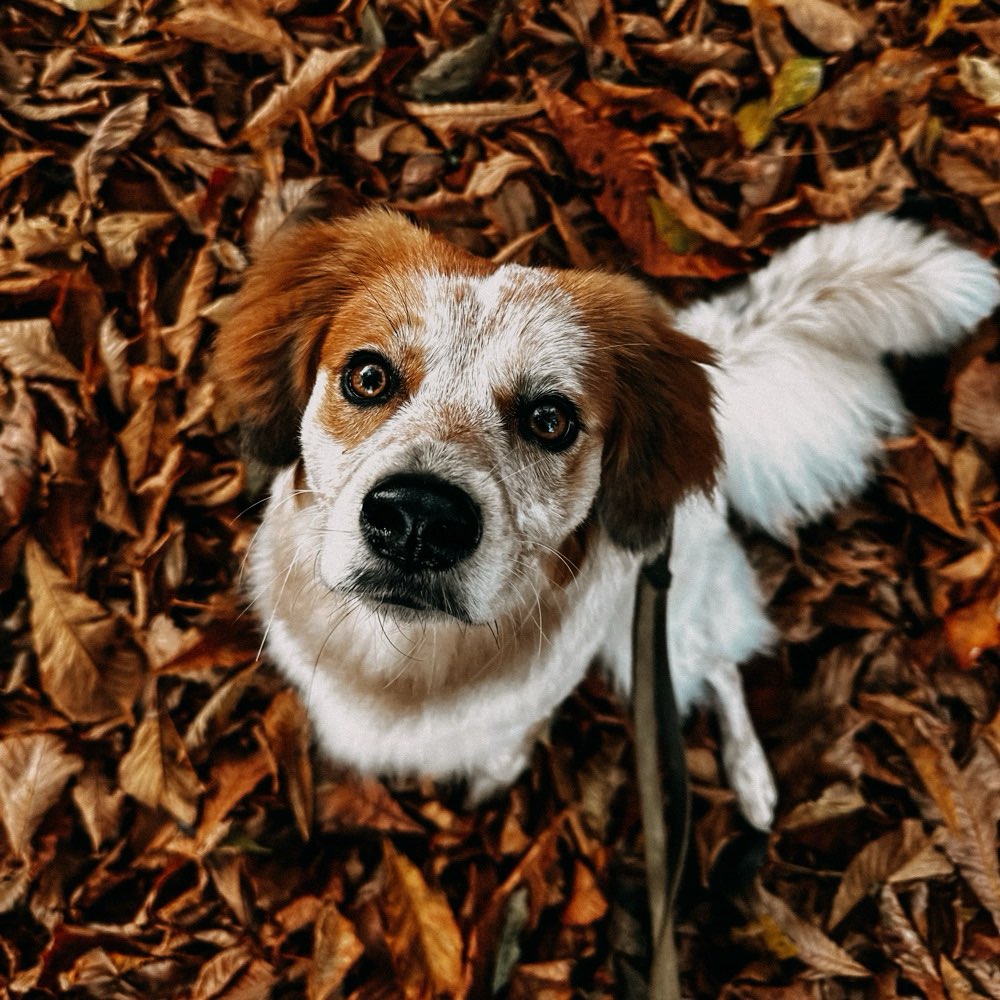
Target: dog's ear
x,y
661,442
267,349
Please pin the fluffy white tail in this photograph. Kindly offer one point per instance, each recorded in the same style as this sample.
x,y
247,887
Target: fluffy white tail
x,y
804,401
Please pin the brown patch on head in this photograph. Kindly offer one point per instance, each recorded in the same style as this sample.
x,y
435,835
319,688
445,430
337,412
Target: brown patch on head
x,y
661,442
365,324
269,349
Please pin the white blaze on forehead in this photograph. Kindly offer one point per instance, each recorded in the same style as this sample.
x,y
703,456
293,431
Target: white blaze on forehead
x,y
512,327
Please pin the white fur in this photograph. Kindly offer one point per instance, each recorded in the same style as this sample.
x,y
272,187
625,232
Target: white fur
x,y
803,404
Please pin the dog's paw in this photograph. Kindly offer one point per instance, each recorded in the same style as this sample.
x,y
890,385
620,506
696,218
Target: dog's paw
x,y
751,779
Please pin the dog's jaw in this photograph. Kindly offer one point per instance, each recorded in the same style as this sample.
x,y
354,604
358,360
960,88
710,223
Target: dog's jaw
x,y
432,696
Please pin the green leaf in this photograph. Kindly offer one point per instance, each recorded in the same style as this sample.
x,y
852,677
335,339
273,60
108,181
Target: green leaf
x,y
796,83
671,229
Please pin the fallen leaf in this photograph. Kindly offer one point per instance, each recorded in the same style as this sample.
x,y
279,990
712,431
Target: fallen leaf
x,y
827,25
807,942
980,75
967,800
586,902
355,803
18,452
230,25
421,932
906,946
28,348
34,769
287,99
897,856
287,728
121,234
336,947
113,135
873,93
975,404
88,674
156,769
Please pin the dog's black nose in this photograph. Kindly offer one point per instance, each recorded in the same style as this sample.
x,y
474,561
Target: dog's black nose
x,y
420,522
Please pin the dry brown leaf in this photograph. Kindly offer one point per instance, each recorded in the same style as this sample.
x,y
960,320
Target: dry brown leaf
x,y
156,769
231,781
121,233
34,769
872,94
447,120
112,348
18,162
336,947
100,804
488,176
906,947
836,800
975,404
18,452
633,188
421,932
968,800
827,25
113,135
28,348
902,854
808,943
287,728
287,99
973,629
88,675
355,803
586,902
230,25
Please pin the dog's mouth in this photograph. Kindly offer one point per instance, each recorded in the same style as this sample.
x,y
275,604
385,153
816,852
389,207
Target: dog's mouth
x,y
418,599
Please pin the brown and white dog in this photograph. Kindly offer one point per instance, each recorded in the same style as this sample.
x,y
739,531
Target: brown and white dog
x,y
477,460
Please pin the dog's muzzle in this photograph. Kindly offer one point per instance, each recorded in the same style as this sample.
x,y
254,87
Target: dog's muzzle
x,y
420,522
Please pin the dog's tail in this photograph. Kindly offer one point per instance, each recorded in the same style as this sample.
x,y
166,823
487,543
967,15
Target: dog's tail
x,y
803,398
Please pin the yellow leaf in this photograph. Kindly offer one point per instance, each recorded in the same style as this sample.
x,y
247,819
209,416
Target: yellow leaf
x,y
755,120
942,17
421,932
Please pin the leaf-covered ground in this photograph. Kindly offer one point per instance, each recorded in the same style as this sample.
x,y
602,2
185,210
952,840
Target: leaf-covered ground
x,y
165,829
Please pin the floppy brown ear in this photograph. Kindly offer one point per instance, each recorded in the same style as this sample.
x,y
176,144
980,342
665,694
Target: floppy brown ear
x,y
267,350
661,442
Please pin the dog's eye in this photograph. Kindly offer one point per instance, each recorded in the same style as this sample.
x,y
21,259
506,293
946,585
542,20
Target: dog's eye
x,y
550,421
368,378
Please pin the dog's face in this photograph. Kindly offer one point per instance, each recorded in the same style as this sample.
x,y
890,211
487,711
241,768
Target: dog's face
x,y
461,425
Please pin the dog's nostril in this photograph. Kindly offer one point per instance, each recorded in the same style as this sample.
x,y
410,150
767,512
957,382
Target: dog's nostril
x,y
420,522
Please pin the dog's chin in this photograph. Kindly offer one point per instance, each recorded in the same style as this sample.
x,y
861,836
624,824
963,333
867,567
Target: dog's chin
x,y
409,601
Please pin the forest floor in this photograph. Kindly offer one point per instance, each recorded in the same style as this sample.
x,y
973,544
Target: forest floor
x,y
163,819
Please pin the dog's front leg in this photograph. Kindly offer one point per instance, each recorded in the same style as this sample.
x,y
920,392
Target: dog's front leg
x,y
742,754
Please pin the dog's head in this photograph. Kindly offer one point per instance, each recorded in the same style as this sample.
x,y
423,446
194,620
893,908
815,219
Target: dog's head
x,y
459,422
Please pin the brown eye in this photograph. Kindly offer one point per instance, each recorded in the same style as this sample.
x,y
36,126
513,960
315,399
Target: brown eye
x,y
550,421
368,378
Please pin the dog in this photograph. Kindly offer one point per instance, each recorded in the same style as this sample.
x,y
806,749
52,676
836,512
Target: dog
x,y
476,460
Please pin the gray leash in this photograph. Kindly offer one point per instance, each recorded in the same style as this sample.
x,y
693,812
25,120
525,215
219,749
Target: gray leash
x,y
660,761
